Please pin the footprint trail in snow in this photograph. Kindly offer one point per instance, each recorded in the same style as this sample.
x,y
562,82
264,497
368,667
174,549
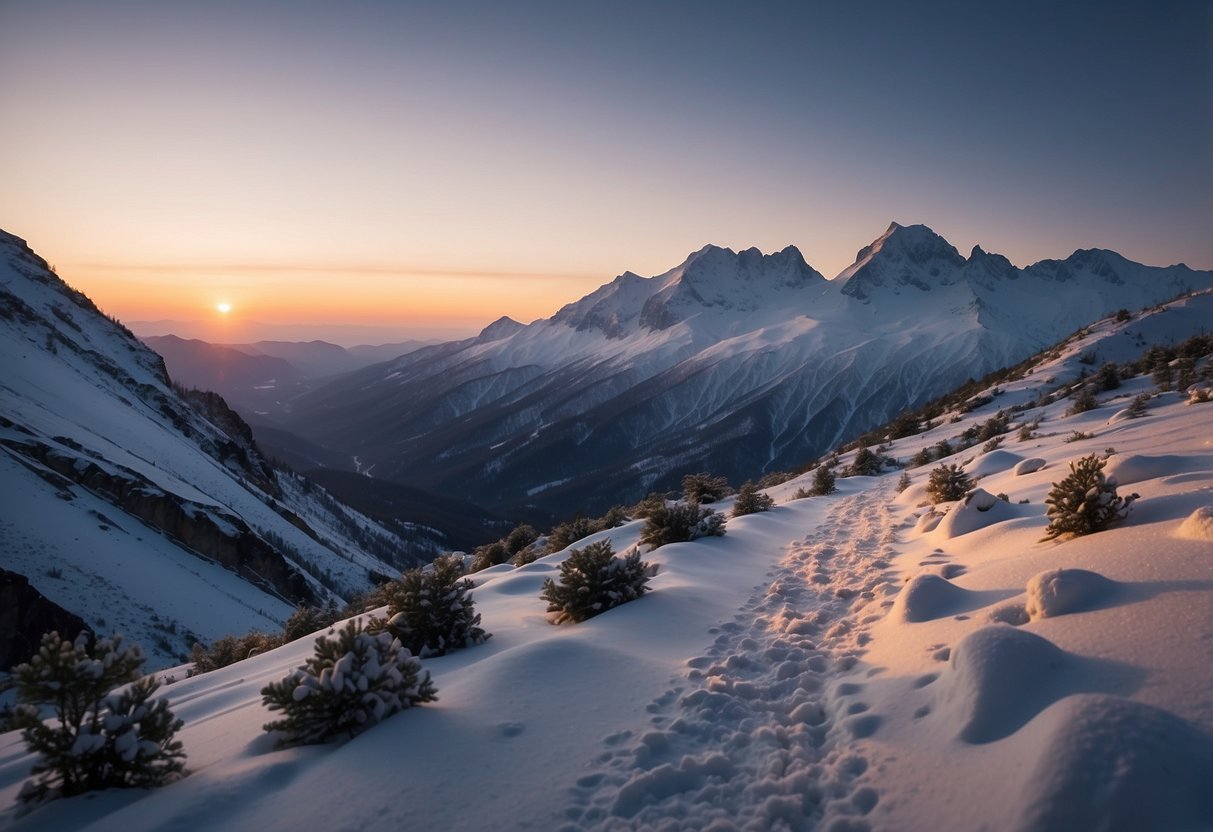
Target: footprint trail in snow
x,y
760,732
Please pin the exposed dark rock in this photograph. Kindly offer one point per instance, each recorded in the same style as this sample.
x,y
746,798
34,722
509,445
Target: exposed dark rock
x,y
26,615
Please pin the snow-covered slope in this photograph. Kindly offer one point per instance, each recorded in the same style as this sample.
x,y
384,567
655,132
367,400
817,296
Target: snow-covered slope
x,y
734,362
835,663
142,508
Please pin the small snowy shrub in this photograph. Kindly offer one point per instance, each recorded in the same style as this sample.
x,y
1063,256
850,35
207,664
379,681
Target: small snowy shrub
x,y
751,501
103,738
1084,401
947,483
921,457
1108,377
593,580
993,445
615,517
1139,406
681,522
306,620
865,464
521,537
903,482
566,534
704,488
490,554
231,649
653,502
530,554
823,482
354,680
430,610
1085,501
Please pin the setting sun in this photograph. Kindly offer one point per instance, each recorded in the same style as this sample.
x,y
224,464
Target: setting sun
x,y
223,308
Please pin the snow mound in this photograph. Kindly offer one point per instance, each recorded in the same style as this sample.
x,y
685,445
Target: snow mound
x,y
1063,591
977,510
1198,525
1102,762
1029,466
994,462
1132,468
1122,416
928,522
929,596
1000,677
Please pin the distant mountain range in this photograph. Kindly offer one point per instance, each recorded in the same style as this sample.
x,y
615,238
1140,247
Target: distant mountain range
x,y
733,362
260,379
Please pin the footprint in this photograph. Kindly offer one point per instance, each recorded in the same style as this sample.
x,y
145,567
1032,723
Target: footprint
x,y
1013,614
862,726
923,681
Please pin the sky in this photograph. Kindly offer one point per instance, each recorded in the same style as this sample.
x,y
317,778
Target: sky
x,y
375,171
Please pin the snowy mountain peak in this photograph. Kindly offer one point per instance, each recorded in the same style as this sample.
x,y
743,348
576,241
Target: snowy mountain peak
x,y
904,256
503,327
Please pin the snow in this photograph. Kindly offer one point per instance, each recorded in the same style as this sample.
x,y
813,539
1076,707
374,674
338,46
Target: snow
x,y
1198,525
831,664
822,664
1063,591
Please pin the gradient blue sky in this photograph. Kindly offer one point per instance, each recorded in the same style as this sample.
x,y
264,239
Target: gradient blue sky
x,y
424,168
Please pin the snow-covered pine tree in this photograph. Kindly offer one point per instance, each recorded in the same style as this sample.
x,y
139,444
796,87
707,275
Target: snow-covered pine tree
x,y
680,522
354,680
704,488
1085,501
104,738
947,483
593,580
865,464
566,534
431,611
823,482
751,501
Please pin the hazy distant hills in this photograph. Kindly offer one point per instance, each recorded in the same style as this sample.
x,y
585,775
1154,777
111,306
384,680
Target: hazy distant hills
x,y
260,379
734,362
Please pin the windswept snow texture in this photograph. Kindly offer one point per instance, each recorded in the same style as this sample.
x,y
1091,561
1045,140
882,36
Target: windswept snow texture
x,y
824,665
139,509
732,362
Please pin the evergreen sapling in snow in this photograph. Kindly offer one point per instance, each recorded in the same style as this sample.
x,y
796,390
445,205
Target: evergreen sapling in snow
x,y
354,680
947,483
751,501
704,488
593,580
865,464
823,482
680,522
430,610
1085,501
104,738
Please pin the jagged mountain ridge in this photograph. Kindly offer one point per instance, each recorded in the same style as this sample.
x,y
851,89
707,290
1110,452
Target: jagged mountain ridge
x,y
737,362
142,507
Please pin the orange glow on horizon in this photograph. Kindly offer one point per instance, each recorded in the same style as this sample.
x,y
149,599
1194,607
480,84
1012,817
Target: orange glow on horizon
x,y
461,301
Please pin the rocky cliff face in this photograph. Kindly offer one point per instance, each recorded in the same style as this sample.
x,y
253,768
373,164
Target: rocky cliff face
x,y
207,531
25,616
